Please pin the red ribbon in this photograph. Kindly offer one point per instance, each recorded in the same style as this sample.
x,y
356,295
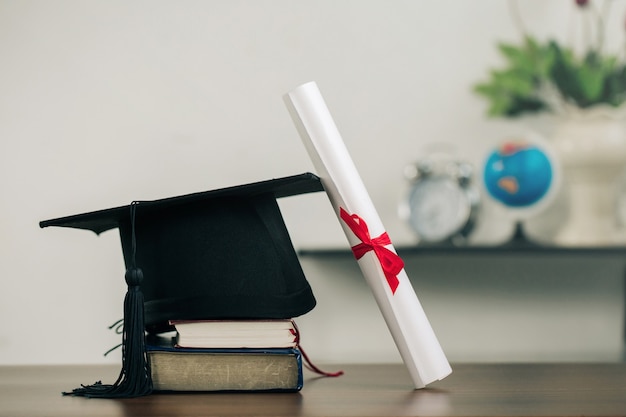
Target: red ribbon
x,y
391,263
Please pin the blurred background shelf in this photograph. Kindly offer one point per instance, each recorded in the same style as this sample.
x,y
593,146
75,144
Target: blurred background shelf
x,y
513,248
515,302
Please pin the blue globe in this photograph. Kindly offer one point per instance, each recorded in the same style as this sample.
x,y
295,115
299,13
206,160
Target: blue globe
x,y
518,174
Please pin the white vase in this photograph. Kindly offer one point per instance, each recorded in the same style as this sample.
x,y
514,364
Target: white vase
x,y
591,147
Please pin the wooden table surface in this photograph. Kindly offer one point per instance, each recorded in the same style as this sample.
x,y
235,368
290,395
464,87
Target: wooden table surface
x,y
364,390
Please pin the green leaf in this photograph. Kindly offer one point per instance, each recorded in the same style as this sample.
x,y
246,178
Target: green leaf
x,y
614,92
564,74
591,81
526,105
514,81
519,58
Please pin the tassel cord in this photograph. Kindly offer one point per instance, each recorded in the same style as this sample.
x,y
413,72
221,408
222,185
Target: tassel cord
x,y
134,379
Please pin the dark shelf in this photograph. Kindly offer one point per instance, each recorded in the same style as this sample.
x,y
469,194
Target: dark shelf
x,y
512,248
518,244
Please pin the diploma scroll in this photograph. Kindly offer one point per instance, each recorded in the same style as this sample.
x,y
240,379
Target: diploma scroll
x,y
382,268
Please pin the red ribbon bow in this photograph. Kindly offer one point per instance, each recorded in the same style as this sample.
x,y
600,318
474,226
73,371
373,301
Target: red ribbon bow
x,y
391,263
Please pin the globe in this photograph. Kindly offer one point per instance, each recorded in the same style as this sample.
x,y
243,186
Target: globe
x,y
518,174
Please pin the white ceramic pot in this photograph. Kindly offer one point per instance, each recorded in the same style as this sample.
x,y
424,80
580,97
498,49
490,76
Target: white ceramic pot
x,y
591,147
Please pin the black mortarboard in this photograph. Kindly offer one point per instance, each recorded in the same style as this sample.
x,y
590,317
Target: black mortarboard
x,y
221,254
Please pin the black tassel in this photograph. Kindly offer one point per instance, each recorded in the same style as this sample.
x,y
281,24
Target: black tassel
x,y
135,377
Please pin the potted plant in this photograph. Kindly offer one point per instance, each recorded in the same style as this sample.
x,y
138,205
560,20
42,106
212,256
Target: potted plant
x,y
545,76
585,94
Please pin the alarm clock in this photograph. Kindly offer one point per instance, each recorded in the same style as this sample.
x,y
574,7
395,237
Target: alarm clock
x,y
442,201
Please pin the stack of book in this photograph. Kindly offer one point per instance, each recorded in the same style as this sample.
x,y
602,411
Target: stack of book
x,y
223,355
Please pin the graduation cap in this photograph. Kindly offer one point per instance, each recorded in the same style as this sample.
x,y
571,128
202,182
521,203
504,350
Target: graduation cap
x,y
221,254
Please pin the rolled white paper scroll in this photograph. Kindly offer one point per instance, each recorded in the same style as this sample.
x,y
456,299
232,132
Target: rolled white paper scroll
x,y
382,268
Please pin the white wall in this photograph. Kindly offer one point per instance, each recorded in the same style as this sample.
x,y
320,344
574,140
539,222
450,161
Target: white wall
x,y
105,102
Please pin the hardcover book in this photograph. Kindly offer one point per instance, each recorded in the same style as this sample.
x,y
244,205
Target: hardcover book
x,y
187,369
236,333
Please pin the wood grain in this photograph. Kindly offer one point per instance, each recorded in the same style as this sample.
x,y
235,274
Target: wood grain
x,y
364,390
